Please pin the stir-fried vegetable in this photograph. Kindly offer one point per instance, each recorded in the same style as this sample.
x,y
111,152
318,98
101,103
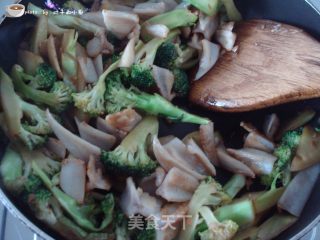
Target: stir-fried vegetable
x,y
106,159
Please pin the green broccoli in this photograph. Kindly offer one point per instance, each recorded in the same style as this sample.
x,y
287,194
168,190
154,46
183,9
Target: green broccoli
x,y
181,84
32,183
173,19
224,230
12,169
236,183
187,57
208,193
118,98
141,77
93,101
86,216
58,99
44,78
141,72
166,55
285,153
34,128
131,157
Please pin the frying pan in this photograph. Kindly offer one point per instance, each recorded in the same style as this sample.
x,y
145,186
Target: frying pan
x,y
295,12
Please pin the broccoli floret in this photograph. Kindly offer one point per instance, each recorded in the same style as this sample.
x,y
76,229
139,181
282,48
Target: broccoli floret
x,y
188,57
44,78
131,157
173,19
181,84
118,98
11,170
141,72
34,128
58,99
224,230
32,183
93,101
85,215
141,77
208,193
284,153
166,55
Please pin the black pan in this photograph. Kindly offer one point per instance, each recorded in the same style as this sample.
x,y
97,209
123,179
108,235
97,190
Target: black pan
x,y
294,12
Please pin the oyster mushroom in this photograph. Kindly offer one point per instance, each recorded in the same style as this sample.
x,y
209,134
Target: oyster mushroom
x,y
209,57
120,23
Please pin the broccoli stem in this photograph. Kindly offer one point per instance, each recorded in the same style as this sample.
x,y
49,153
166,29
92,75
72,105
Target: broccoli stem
x,y
69,204
208,216
39,97
157,105
209,7
234,185
241,212
267,200
232,11
174,19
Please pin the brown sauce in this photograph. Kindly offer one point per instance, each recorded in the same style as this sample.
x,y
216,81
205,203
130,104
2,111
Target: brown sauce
x,y
16,7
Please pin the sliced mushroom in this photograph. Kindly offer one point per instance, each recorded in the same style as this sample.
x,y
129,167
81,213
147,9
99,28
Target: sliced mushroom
x,y
128,56
299,189
209,57
233,165
96,179
308,151
226,38
249,127
135,201
56,148
149,9
124,121
53,56
88,69
207,25
94,136
157,30
179,150
29,61
164,79
167,161
259,161
271,125
73,178
77,146
195,42
206,137
98,64
195,136
177,186
80,51
94,17
150,183
120,23
257,141
197,152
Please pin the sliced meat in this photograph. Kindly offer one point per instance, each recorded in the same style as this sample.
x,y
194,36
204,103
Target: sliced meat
x,y
56,147
257,141
164,79
207,25
125,121
150,183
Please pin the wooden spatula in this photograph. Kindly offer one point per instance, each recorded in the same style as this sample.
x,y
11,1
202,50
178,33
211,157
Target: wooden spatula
x,y
275,63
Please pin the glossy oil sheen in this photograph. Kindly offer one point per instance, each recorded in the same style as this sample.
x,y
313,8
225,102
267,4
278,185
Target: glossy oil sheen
x,y
295,12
